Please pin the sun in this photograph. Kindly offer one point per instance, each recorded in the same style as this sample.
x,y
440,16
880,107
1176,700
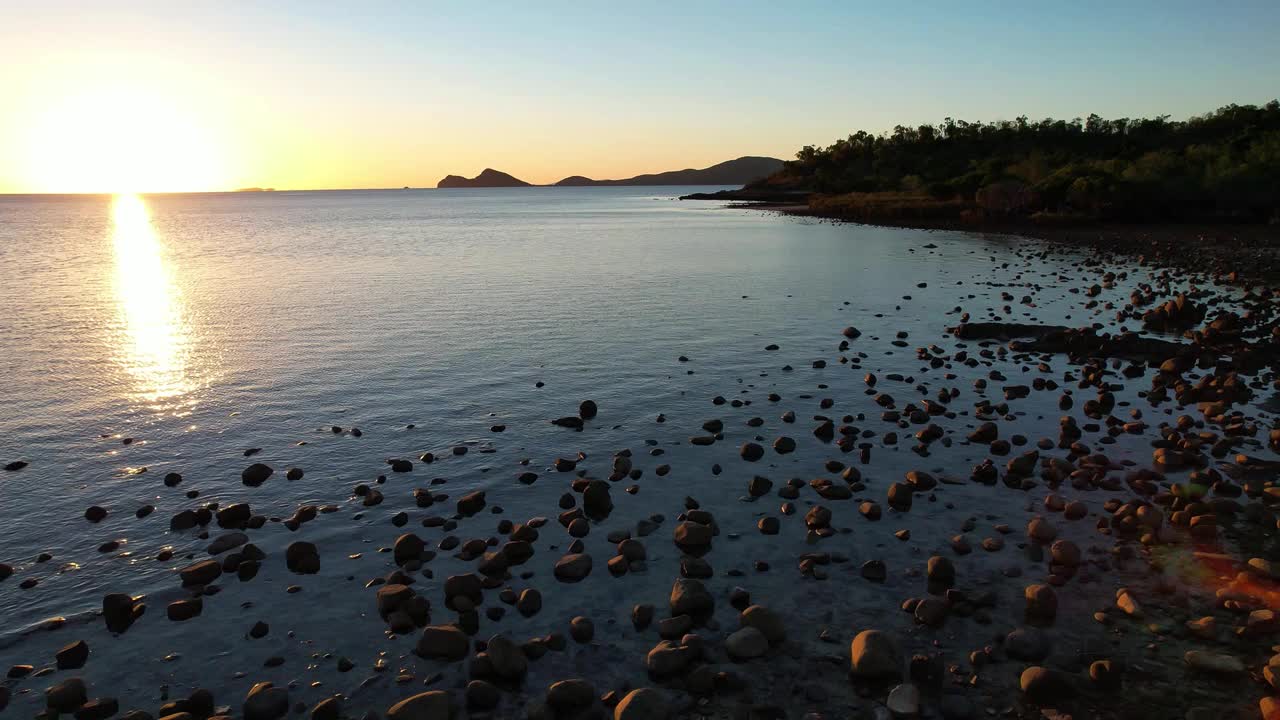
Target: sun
x,y
121,139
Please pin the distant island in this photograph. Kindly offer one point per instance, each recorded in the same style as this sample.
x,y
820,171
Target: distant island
x,y
1220,167
490,178
741,171
255,189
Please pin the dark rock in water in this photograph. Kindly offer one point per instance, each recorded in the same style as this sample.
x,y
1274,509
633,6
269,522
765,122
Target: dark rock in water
x,y
446,642
643,704
482,695
1027,644
400,466
751,452
98,709
234,516
899,496
587,409
266,702
329,708
506,658
433,705
72,656
1106,674
255,474
295,474
120,610
874,656
571,694
573,567
569,421
180,610
201,573
1042,603
690,597
66,696
766,621
529,603
408,547
941,571
16,465
596,502
95,514
471,503
303,558
1042,685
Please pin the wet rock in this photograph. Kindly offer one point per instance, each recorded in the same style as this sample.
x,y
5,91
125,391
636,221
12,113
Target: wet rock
x,y
904,701
643,704
692,535
432,705
529,602
751,452
180,610
667,658
302,557
1028,644
98,709
1042,603
573,567
1213,662
690,597
766,621
255,474
446,642
72,656
581,629
408,547
1041,685
1106,675
201,573
120,610
941,572
746,643
66,696
568,695
874,656
482,695
596,502
471,503
266,702
506,658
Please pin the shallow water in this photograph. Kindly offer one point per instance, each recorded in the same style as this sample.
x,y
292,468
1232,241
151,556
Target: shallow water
x,y
201,326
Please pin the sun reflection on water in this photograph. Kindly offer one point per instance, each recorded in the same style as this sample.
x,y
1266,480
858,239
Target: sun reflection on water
x,y
156,345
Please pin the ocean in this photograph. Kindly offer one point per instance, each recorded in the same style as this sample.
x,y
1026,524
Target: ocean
x,y
196,334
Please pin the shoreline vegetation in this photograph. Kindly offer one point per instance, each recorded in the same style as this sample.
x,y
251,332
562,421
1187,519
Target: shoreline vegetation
x,y
1203,190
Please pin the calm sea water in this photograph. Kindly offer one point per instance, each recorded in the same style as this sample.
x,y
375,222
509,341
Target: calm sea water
x,y
142,336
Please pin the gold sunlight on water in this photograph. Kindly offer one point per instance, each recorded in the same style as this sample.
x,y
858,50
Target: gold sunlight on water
x,y
156,343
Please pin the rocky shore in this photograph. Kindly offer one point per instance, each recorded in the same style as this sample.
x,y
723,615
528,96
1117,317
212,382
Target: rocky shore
x,y
1022,516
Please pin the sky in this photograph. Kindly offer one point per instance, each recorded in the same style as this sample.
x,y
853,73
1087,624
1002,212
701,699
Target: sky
x,y
172,96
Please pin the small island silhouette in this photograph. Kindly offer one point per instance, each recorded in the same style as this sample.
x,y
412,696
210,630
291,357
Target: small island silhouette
x,y
732,172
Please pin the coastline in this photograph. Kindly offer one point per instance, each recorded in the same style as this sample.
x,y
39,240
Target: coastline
x,y
1237,253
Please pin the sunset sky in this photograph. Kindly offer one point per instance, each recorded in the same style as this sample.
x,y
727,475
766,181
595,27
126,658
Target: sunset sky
x,y
165,96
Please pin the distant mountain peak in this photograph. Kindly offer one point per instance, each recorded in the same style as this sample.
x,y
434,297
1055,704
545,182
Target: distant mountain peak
x,y
738,171
487,178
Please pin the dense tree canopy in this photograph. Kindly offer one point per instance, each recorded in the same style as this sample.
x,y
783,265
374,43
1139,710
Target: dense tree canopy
x,y
1223,165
